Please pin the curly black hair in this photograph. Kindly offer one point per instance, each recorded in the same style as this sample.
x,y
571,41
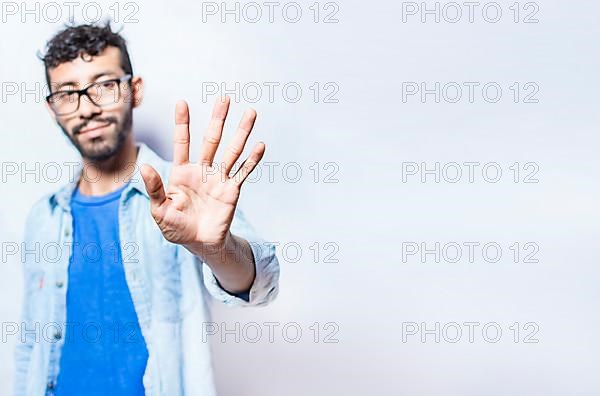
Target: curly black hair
x,y
83,40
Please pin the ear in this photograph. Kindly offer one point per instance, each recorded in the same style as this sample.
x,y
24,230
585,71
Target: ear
x,y
137,87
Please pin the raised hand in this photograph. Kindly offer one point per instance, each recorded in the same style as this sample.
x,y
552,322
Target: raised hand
x,y
198,205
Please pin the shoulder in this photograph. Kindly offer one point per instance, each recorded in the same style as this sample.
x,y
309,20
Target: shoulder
x,y
43,206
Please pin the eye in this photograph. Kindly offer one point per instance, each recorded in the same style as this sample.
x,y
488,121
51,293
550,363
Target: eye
x,y
61,96
108,84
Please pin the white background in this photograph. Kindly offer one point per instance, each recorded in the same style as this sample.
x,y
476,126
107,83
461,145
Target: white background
x,y
370,212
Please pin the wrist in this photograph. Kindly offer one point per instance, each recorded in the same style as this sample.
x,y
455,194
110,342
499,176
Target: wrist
x,y
206,250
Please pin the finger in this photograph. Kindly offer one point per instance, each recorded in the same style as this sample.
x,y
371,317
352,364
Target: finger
x,y
154,186
181,138
212,137
250,163
236,147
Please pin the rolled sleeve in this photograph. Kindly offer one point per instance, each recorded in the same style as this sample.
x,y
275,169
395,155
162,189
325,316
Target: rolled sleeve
x,y
265,287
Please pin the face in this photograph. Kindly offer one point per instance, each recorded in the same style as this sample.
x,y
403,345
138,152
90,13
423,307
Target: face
x,y
98,132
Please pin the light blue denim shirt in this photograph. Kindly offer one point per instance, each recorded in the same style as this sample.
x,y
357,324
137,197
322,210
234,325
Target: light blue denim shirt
x,y
169,287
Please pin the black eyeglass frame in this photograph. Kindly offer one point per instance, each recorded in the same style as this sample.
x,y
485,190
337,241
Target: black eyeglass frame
x,y
84,92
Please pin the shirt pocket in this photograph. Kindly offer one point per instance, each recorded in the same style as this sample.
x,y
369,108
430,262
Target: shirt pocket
x,y
36,304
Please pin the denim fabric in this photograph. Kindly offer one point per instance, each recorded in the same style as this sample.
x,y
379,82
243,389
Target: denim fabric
x,y
169,286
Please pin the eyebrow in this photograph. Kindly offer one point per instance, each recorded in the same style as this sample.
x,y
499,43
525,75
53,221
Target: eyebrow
x,y
94,78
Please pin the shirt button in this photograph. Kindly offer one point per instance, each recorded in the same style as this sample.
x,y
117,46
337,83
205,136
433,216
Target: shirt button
x,y
57,335
59,284
67,232
50,385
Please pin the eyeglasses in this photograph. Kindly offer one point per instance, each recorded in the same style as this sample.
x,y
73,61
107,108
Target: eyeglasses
x,y
102,93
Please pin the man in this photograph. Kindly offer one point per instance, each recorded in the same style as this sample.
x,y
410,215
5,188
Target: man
x,y
122,312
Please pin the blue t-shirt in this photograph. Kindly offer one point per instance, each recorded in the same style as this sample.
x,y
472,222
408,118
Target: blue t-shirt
x,y
104,352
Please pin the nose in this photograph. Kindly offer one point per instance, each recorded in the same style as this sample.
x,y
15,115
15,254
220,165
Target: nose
x,y
87,108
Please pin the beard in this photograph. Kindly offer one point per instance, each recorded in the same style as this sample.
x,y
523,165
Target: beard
x,y
106,146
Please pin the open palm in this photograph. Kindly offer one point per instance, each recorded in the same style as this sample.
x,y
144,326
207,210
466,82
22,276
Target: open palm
x,y
199,203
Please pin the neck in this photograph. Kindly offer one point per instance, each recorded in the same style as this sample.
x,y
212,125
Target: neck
x,y
104,177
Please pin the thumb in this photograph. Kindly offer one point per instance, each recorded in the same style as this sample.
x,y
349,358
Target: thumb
x,y
154,186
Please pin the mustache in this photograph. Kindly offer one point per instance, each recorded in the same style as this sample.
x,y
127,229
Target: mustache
x,y
108,120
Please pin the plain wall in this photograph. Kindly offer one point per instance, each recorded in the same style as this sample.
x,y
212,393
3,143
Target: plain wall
x,y
363,144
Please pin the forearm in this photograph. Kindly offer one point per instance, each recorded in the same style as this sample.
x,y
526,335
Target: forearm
x,y
232,264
